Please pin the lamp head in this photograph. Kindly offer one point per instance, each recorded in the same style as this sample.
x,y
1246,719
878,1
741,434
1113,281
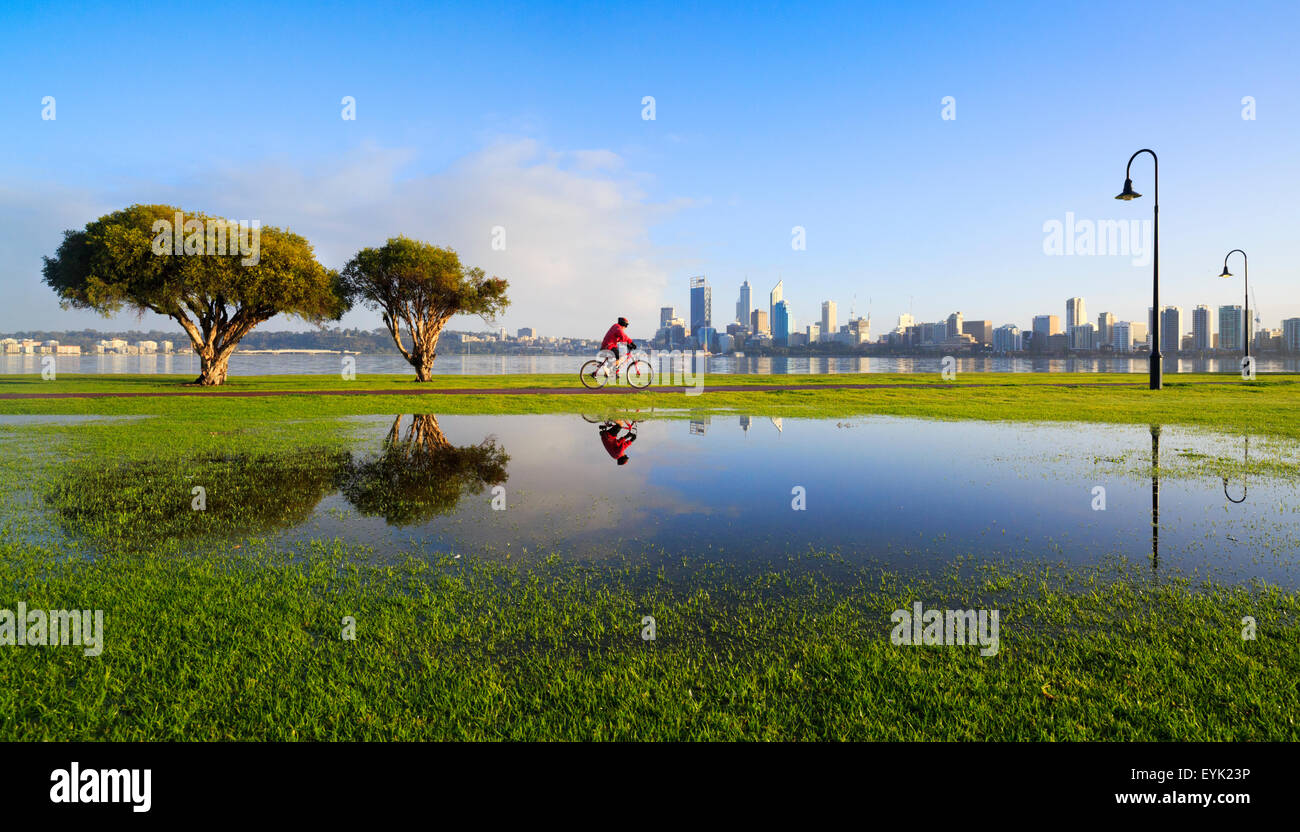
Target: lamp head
x,y
1226,273
1128,192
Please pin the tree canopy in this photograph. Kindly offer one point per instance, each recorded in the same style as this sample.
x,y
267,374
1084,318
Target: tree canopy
x,y
218,279
421,286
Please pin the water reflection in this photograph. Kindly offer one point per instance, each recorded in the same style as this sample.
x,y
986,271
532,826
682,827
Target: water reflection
x,y
615,437
1245,463
419,474
907,493
1155,498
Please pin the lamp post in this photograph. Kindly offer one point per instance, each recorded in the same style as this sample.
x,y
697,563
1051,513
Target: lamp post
x,y
1156,370
1245,306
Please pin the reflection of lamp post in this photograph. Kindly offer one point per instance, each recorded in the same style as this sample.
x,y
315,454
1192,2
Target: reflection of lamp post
x,y
1246,465
1155,497
1245,307
1156,370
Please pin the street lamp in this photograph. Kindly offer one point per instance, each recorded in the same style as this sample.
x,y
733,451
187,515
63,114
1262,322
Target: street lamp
x,y
1245,307
1156,370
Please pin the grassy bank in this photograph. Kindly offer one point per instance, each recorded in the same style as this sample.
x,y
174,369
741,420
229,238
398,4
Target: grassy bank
x,y
249,644
1267,406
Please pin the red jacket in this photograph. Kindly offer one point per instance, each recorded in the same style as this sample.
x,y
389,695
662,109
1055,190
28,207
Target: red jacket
x,y
614,446
616,335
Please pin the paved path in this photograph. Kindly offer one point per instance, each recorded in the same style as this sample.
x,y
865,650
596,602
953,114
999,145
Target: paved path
x,y
559,391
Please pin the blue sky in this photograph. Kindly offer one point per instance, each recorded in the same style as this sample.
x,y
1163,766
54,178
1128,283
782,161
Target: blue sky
x,y
529,117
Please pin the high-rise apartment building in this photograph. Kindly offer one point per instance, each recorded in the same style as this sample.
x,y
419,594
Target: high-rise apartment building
x,y
1075,313
1291,334
1202,328
1008,338
1171,329
1230,320
1105,322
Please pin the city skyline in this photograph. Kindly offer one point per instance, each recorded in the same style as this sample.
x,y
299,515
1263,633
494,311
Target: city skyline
x,y
792,180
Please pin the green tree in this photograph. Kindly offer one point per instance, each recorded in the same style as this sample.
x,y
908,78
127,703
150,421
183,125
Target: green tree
x,y
422,286
213,289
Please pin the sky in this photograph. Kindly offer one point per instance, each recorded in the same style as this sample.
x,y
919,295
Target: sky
x,y
476,117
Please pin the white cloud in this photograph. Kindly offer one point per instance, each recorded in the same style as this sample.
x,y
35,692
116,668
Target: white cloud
x,y
577,255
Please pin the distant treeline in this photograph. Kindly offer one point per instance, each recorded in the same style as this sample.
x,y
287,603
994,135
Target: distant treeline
x,y
370,342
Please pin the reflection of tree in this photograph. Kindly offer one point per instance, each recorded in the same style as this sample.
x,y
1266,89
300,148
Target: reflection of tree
x,y
145,501
419,474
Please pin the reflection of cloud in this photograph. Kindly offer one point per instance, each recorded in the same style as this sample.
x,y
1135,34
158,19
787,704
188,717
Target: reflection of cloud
x,y
574,226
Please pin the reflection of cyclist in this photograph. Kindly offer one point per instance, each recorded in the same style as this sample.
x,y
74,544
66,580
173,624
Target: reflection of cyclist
x,y
616,445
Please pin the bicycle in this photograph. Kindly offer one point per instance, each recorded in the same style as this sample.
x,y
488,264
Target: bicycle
x,y
597,372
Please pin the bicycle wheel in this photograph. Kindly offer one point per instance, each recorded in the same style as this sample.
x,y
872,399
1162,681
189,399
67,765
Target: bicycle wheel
x,y
594,374
639,374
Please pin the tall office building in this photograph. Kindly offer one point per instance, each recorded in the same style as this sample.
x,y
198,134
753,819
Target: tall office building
x,y
1083,337
830,321
758,322
1045,326
981,331
745,304
1105,321
781,323
1075,313
1007,338
701,304
955,321
773,298
1121,336
1291,334
1202,328
666,315
1171,329
1230,319
904,321
814,333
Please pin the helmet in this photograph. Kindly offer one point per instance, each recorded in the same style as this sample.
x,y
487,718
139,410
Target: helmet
x,y
622,322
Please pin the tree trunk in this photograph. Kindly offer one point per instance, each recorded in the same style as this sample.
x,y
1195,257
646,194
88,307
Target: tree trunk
x,y
423,363
214,369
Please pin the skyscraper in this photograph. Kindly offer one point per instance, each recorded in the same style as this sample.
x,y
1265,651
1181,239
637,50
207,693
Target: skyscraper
x,y
1075,313
830,321
745,304
1291,335
981,331
1121,337
1171,329
1202,328
1007,338
955,321
758,321
1105,321
773,298
781,323
1230,319
701,304
666,315
1044,326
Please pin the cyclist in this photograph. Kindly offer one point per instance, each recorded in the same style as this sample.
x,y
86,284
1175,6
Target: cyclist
x,y
615,338
616,445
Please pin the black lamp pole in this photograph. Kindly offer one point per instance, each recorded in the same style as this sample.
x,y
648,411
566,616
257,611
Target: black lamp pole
x,y
1247,323
1157,371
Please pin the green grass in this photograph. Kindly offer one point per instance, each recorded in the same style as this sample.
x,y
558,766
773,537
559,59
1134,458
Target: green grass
x,y
213,633
1267,406
248,645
